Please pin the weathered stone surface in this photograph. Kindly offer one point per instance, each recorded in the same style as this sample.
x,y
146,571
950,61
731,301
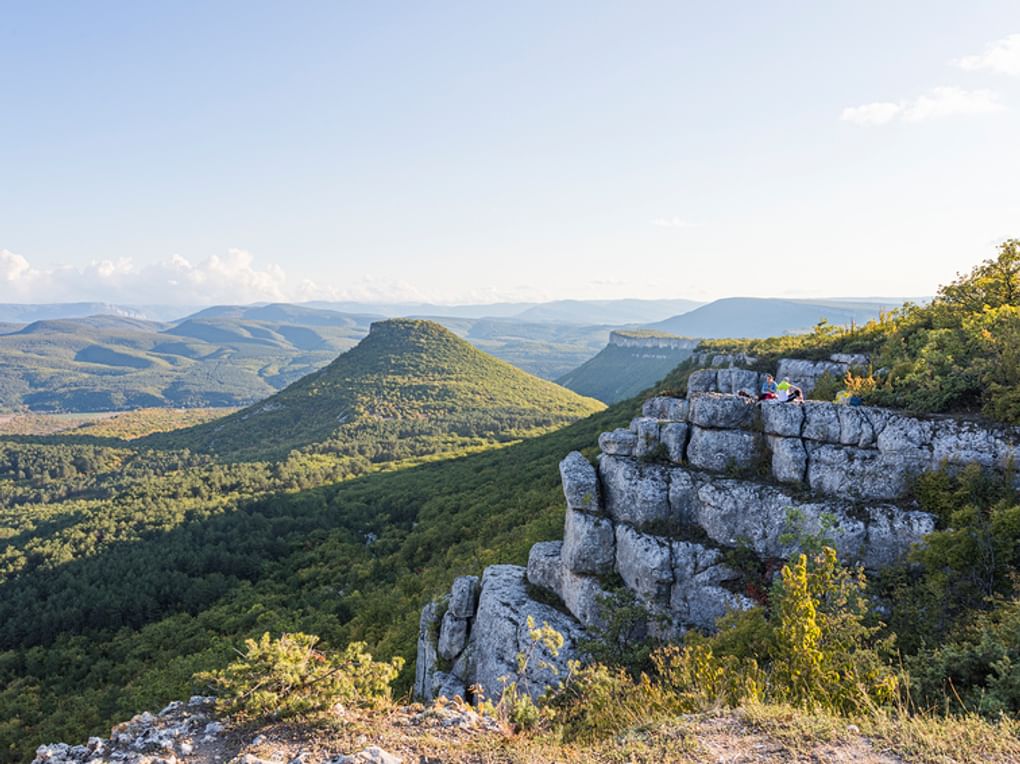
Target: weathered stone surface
x,y
789,459
447,685
698,598
850,359
588,544
427,656
721,411
957,443
673,437
665,408
858,473
647,431
643,562
618,442
805,374
580,483
736,512
633,492
723,450
167,737
500,632
703,381
860,425
452,636
821,421
890,532
545,566
583,597
464,596
684,503
907,436
736,380
784,419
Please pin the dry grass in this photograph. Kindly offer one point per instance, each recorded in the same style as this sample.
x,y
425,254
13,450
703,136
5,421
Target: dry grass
x,y
751,735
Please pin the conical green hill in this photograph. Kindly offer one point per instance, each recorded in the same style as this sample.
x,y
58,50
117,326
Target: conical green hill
x,y
409,388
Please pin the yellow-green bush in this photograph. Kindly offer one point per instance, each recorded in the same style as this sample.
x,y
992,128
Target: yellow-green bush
x,y
813,650
288,676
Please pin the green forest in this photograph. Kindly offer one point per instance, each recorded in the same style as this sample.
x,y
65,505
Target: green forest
x,y
129,567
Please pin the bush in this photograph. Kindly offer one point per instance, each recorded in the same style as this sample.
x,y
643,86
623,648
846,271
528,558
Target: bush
x,y
288,676
815,650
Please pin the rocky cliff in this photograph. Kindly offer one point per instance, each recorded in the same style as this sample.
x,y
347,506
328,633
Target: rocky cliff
x,y
672,499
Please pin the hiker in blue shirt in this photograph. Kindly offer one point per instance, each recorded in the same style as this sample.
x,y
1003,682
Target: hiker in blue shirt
x,y
768,389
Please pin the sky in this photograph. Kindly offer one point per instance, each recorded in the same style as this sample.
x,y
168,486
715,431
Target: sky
x,y
456,152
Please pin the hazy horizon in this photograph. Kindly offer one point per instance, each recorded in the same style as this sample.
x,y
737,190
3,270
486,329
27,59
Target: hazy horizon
x,y
457,154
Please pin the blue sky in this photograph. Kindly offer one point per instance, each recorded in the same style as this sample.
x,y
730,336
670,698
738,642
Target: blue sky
x,y
468,151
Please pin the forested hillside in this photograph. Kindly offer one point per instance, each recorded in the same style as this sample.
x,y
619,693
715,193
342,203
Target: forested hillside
x,y
409,388
125,571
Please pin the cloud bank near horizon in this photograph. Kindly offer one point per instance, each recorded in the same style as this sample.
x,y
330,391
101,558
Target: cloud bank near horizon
x,y
231,278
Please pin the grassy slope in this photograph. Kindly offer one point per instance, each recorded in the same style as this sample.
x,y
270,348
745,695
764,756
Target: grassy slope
x,y
408,379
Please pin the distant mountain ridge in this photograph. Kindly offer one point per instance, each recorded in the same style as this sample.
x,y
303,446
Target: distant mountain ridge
x,y
767,317
407,385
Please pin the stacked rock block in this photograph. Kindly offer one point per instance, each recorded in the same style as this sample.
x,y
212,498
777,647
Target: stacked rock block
x,y
475,642
691,479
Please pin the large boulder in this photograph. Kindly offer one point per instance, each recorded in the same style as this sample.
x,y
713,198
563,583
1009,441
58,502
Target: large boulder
x,y
673,437
723,450
427,656
643,562
698,598
665,408
821,421
805,374
452,636
861,425
580,483
859,473
587,543
500,633
619,442
703,381
789,459
634,492
737,380
721,411
780,418
545,566
464,596
584,597
647,431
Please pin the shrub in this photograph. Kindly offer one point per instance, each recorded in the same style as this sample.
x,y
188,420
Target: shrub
x,y
288,676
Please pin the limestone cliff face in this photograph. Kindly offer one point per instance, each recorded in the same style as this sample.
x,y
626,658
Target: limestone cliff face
x,y
689,480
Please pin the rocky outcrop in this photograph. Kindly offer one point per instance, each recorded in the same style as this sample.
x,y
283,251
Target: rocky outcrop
x,y
481,648
691,482
651,341
175,732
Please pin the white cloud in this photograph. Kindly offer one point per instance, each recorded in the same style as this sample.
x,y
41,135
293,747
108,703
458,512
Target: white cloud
x,y
935,104
12,267
229,278
673,222
1001,56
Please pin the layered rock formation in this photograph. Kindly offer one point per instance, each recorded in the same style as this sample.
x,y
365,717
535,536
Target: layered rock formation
x,y
678,493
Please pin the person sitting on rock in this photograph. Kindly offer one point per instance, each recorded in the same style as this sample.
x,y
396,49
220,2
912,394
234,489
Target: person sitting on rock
x,y
783,390
768,389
